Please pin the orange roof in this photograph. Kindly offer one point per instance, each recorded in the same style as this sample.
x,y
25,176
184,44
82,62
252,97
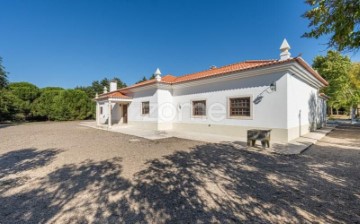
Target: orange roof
x,y
113,94
165,79
228,69
223,70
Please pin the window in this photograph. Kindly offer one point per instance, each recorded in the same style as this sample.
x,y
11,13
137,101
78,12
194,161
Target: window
x,y
145,107
101,110
240,107
199,108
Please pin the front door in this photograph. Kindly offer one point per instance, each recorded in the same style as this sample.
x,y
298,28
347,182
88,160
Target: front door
x,y
125,120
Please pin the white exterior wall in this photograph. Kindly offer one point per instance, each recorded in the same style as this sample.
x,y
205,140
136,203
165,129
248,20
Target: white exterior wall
x,y
166,109
306,110
104,116
135,116
160,100
270,113
290,111
115,113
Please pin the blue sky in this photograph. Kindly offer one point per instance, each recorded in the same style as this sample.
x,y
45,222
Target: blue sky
x,y
69,43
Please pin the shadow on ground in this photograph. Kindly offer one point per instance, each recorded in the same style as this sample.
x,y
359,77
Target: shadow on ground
x,y
211,183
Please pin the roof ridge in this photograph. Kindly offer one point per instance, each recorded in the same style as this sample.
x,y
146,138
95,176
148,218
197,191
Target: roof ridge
x,y
230,68
228,65
261,60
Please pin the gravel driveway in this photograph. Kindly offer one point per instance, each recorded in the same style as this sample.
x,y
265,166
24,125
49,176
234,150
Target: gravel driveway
x,y
66,173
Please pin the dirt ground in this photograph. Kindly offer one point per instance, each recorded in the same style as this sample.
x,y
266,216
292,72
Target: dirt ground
x,y
66,173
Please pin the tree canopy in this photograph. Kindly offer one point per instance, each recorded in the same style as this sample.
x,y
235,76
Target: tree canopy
x,y
342,76
141,80
25,101
43,107
145,79
9,106
338,18
98,86
24,90
3,76
71,104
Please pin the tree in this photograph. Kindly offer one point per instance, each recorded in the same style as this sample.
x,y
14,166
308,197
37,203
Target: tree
x,y
120,84
355,80
106,82
152,76
355,74
43,107
145,79
9,106
98,86
336,69
338,18
24,90
71,105
26,93
3,76
142,80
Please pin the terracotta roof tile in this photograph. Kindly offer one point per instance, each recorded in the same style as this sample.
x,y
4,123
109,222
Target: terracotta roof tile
x,y
113,94
166,79
227,69
223,70
169,78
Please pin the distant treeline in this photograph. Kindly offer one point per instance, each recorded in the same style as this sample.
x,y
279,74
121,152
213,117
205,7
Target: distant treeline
x,y
20,101
23,101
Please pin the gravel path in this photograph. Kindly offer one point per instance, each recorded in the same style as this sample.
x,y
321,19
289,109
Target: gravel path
x,y
66,173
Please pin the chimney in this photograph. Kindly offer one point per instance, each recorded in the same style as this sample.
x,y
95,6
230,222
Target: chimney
x,y
113,85
157,74
105,89
284,48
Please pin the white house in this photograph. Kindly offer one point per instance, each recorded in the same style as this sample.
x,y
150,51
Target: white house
x,y
282,95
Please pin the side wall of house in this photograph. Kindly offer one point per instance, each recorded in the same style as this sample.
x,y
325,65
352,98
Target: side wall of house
x,y
115,113
159,117
268,113
305,108
135,116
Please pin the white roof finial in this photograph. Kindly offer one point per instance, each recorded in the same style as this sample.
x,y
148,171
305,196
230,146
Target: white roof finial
x,y
157,74
105,89
284,48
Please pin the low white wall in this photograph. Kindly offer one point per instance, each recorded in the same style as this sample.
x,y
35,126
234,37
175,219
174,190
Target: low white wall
x,y
277,134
